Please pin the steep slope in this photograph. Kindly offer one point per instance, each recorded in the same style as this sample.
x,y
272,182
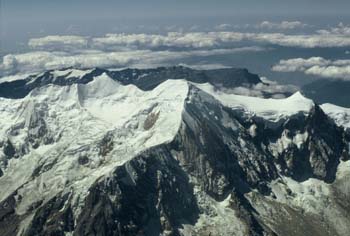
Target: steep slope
x,y
60,140
103,158
340,115
239,155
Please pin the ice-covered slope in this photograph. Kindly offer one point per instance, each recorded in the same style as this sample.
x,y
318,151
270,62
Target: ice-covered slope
x,y
268,109
102,158
341,115
65,138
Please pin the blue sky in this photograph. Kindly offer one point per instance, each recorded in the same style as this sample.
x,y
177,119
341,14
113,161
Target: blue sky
x,y
52,10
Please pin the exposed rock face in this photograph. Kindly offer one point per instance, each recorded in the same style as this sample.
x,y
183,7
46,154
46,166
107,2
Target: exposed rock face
x,y
106,145
150,78
151,120
9,149
147,196
225,170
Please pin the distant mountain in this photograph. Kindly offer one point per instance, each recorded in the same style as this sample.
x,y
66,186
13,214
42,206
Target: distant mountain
x,y
329,91
106,154
146,79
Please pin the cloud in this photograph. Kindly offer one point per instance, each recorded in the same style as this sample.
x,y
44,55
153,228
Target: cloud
x,y
223,27
265,25
299,64
173,40
38,61
268,87
57,42
336,72
201,40
284,25
193,40
205,66
9,63
341,29
303,41
317,66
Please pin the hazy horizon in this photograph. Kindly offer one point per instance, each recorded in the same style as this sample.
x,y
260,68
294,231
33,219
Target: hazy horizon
x,y
22,20
267,37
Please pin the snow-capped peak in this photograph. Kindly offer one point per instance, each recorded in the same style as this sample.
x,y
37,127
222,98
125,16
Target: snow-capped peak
x,y
101,86
68,124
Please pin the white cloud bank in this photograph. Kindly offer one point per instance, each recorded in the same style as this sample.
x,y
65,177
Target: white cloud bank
x,y
317,66
57,42
341,29
265,25
284,25
337,37
38,61
268,87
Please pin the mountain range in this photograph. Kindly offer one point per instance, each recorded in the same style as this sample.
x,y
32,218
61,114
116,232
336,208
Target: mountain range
x,y
168,151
